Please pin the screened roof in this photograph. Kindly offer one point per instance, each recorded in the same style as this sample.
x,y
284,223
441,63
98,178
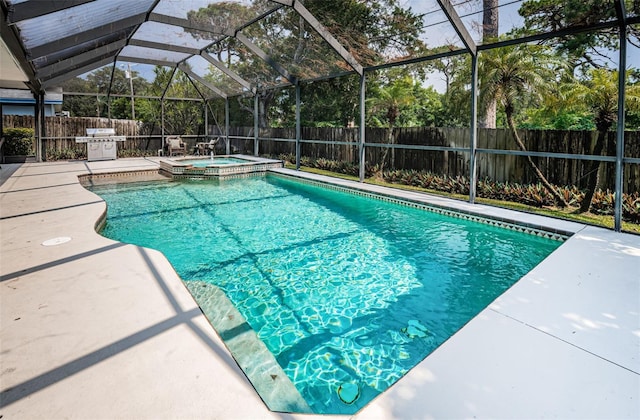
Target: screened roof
x,y
235,46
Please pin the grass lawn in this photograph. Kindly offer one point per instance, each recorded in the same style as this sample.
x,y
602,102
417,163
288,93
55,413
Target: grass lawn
x,y
567,214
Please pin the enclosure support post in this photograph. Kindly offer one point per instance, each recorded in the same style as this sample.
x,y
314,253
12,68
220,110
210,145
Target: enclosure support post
x,y
162,120
297,126
226,126
43,130
361,149
206,121
256,128
36,120
39,121
473,142
622,73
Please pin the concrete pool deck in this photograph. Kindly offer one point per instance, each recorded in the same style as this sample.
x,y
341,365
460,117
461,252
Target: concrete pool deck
x,y
92,328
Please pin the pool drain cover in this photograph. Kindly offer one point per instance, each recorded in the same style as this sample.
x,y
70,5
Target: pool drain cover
x,y
348,392
56,241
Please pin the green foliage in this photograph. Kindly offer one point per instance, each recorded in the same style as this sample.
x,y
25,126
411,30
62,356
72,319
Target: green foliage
x,y
18,141
73,153
98,83
557,119
392,101
127,153
80,152
326,103
428,180
530,194
456,100
600,94
369,30
180,117
603,203
79,106
582,48
340,167
517,75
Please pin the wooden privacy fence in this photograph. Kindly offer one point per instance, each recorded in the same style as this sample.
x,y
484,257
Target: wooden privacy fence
x,y
60,133
59,127
502,168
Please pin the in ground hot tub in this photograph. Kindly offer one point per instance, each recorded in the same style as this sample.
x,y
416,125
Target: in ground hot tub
x,y
218,166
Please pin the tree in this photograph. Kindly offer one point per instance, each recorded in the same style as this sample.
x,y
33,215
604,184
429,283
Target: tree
x,y
386,108
600,94
100,82
325,103
490,20
558,110
369,30
427,110
79,106
511,75
582,48
490,32
183,117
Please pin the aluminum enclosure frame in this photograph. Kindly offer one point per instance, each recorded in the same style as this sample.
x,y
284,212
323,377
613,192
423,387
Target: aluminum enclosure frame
x,y
104,44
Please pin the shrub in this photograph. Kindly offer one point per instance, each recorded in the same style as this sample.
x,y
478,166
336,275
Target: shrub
x,y
603,203
73,153
126,153
80,152
287,157
631,207
18,141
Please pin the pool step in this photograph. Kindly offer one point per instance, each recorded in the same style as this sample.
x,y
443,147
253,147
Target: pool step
x,y
267,377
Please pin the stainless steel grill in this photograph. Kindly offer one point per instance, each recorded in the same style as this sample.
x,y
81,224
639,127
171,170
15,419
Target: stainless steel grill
x,y
101,143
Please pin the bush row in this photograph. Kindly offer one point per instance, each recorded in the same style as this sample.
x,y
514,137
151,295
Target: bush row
x,y
530,194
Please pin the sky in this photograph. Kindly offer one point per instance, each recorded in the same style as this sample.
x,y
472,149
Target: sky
x,y
437,31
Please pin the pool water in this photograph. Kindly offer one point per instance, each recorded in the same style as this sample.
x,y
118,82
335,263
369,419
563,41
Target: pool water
x,y
344,290
204,162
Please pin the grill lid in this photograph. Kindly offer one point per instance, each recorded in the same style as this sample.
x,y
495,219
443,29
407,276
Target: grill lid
x,y
101,132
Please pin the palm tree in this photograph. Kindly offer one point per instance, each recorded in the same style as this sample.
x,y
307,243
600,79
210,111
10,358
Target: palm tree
x,y
389,102
514,74
600,94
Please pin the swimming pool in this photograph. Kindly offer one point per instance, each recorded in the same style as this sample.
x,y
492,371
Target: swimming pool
x,y
347,292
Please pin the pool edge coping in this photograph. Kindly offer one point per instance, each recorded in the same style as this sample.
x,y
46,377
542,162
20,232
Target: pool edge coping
x,y
601,234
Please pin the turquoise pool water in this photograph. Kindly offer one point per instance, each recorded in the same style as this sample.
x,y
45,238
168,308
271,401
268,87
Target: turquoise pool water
x,y
342,289
204,162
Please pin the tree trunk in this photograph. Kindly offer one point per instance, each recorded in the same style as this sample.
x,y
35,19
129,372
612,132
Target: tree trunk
x,y
490,24
488,119
385,152
264,105
593,172
489,19
547,185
